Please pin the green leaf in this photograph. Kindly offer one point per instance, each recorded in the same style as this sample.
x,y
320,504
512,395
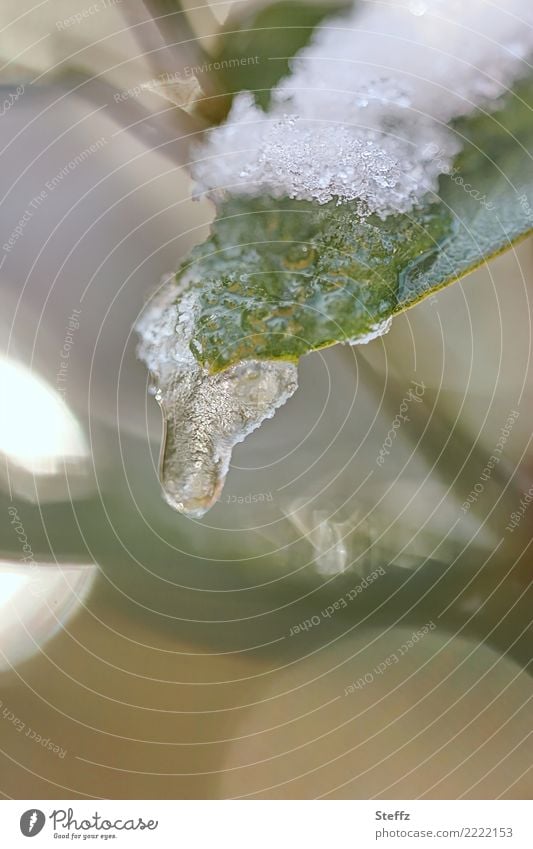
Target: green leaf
x,y
256,47
279,278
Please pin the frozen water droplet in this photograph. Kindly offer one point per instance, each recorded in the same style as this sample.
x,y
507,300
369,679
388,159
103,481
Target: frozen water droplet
x,y
205,414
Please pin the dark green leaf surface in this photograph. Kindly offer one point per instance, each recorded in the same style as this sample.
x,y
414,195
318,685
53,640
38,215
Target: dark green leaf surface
x,y
255,48
279,278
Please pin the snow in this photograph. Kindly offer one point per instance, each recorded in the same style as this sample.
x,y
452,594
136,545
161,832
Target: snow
x,y
364,114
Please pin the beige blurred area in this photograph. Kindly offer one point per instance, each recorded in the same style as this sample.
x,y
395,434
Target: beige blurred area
x,y
147,716
145,655
114,38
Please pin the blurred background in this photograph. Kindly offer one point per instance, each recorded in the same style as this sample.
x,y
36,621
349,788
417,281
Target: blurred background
x,y
266,650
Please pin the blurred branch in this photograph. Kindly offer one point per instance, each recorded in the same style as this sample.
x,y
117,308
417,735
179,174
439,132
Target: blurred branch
x,y
446,446
180,49
164,33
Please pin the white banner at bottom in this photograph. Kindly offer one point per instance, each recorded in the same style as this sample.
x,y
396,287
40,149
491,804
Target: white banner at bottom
x,y
267,824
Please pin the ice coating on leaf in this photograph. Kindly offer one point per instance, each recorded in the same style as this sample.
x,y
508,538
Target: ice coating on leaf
x,y
205,414
364,113
378,330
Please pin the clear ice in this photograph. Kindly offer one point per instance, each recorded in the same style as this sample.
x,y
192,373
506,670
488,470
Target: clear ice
x,y
205,414
363,114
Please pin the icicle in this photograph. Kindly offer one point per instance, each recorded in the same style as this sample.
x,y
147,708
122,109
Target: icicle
x,y
205,414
